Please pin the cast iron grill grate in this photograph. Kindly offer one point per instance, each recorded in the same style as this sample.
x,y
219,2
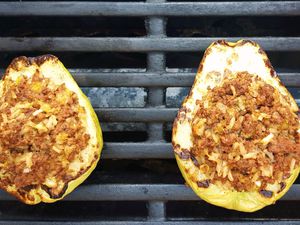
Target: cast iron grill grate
x,y
136,61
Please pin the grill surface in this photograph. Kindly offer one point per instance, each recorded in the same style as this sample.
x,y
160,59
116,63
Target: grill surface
x,y
136,74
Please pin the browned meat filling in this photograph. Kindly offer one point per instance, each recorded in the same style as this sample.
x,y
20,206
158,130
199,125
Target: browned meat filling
x,y
41,132
245,137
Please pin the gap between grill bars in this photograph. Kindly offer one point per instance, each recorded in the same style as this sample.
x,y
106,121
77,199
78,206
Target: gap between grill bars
x,y
141,44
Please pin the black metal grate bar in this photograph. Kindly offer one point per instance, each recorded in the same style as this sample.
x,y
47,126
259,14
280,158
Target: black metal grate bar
x,y
154,79
142,44
88,78
260,8
143,192
157,114
151,150
156,62
282,222
157,211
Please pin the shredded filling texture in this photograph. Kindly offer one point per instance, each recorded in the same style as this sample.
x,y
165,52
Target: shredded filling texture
x,y
42,130
245,136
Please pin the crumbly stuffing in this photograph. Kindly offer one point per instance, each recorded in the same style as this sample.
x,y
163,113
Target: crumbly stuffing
x,y
245,135
41,132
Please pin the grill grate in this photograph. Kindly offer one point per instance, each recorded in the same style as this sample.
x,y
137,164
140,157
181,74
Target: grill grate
x,y
155,200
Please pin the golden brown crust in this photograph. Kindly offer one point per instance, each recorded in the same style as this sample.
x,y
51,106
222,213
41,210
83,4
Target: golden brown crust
x,y
48,65
41,132
222,128
248,57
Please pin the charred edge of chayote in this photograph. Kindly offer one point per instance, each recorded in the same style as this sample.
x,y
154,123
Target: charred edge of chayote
x,y
64,189
38,60
29,187
195,161
267,61
20,193
55,196
266,193
203,184
184,154
233,44
282,186
28,61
